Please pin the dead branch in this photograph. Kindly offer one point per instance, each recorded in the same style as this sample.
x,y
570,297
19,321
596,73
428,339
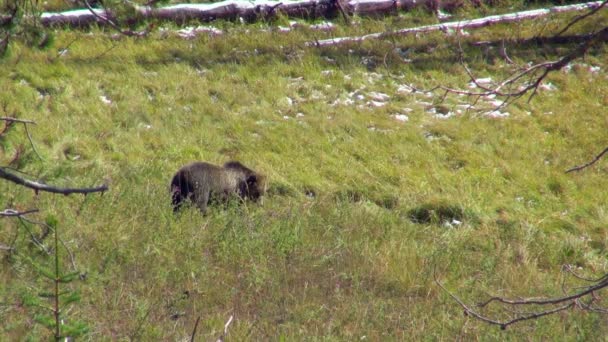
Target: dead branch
x,y
569,301
13,212
47,230
463,24
223,335
104,16
581,17
578,168
530,78
525,80
11,120
48,188
194,330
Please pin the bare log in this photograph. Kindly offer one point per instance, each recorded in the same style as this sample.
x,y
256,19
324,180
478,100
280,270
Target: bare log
x,y
233,9
463,24
48,188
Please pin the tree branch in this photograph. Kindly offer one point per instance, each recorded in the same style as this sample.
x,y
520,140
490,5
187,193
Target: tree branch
x,y
13,212
48,188
581,17
105,18
578,168
572,301
10,120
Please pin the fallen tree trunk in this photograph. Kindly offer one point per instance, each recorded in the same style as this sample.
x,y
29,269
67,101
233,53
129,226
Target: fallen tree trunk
x,y
234,9
463,24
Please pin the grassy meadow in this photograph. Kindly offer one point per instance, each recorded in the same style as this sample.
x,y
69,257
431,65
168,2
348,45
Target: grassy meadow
x,y
373,188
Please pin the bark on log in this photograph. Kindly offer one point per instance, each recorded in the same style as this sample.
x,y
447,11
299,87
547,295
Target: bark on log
x,y
248,10
464,24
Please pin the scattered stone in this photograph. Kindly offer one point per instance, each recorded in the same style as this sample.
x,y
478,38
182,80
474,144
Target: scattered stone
x,y
380,97
496,114
547,86
375,103
323,26
192,32
401,117
404,88
496,103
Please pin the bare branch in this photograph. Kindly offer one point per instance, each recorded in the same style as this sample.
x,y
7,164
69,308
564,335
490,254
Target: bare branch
x,y
13,212
581,17
568,268
504,324
578,168
10,120
194,330
48,188
575,300
223,336
48,229
106,18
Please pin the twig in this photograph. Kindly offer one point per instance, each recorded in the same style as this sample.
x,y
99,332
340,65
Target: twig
x,y
581,17
29,137
528,79
557,300
568,268
194,330
10,119
578,168
223,336
106,19
13,212
338,4
503,324
48,188
48,229
24,122
37,242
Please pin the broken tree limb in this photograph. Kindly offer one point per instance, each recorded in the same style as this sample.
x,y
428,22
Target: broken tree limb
x,y
48,188
463,24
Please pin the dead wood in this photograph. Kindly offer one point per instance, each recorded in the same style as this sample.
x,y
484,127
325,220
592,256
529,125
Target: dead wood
x,y
37,186
463,24
246,10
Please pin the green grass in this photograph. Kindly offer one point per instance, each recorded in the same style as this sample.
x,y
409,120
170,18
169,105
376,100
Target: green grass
x,y
333,253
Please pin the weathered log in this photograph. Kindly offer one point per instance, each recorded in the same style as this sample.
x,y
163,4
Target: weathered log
x,y
235,9
463,24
